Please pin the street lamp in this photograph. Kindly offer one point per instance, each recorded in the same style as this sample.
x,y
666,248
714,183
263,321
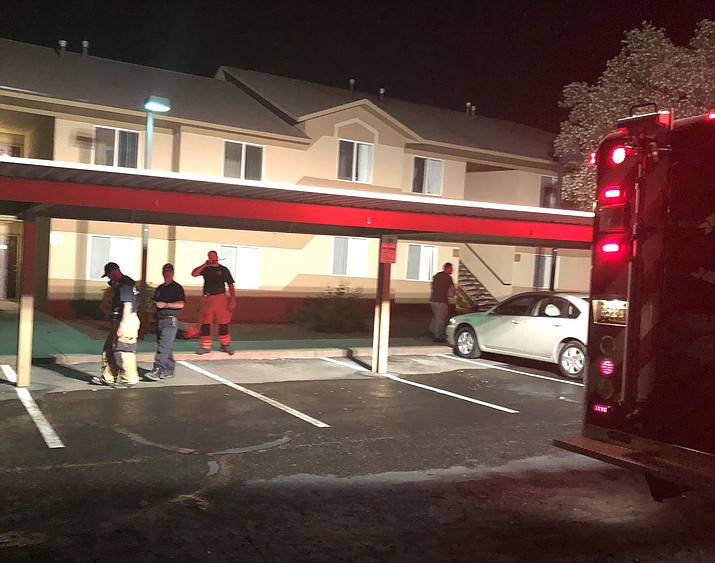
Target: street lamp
x,y
152,105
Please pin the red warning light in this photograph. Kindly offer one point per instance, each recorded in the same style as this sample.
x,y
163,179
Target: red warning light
x,y
610,247
607,367
603,409
711,115
612,193
618,155
592,159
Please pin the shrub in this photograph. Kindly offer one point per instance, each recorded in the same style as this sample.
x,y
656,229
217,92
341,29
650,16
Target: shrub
x,y
336,310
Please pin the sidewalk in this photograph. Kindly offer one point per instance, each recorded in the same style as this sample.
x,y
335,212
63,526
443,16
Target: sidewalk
x,y
78,341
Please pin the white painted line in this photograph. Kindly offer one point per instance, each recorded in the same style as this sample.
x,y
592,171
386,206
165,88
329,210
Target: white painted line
x,y
281,406
427,387
51,438
482,364
346,364
10,374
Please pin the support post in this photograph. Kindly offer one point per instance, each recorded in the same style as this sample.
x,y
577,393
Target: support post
x,y
26,315
552,273
381,327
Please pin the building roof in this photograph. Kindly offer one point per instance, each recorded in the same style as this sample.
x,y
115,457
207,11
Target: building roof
x,y
43,72
299,100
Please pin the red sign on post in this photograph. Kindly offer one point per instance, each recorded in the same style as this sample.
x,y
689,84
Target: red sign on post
x,y
388,249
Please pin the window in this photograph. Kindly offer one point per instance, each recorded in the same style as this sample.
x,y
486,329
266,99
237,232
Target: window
x,y
355,161
116,147
542,270
519,306
244,263
103,249
427,176
421,262
241,160
10,150
550,195
349,257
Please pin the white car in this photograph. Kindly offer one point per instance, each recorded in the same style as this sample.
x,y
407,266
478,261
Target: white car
x,y
539,325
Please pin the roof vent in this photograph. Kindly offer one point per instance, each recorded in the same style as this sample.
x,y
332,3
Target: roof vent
x,y
352,84
381,93
85,47
62,48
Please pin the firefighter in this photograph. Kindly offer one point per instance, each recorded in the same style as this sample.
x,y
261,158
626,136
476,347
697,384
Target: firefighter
x,y
214,304
119,358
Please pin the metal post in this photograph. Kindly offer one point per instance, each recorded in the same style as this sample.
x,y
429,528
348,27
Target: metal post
x,y
552,274
381,326
145,228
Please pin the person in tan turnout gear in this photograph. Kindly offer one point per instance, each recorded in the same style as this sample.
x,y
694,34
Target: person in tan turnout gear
x,y
119,358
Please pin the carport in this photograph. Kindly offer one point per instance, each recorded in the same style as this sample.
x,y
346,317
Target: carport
x,y
35,189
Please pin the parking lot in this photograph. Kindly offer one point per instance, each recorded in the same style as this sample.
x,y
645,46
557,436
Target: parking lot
x,y
316,459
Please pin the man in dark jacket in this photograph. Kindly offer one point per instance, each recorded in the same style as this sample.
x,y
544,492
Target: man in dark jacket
x,y
442,289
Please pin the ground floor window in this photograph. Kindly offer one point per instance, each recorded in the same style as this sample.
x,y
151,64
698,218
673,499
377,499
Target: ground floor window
x,y
542,270
349,256
103,249
421,262
244,263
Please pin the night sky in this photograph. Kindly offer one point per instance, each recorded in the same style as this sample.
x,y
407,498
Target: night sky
x,y
509,58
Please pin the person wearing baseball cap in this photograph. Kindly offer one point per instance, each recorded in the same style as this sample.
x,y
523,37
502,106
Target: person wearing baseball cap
x,y
169,299
119,353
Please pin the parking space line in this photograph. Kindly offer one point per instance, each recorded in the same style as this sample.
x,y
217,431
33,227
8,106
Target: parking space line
x,y
281,406
48,433
476,363
427,387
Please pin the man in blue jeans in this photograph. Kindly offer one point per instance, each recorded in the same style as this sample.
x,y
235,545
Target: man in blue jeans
x,y
169,299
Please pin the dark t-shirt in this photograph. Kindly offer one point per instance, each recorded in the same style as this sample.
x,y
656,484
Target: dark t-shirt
x,y
125,292
441,285
169,294
216,279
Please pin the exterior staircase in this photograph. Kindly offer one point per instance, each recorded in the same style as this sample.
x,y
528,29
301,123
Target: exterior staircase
x,y
472,296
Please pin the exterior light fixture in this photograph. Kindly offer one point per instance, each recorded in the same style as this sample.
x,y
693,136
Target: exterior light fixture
x,y
157,104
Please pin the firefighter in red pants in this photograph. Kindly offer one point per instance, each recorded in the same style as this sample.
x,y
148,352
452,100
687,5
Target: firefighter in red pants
x,y
214,305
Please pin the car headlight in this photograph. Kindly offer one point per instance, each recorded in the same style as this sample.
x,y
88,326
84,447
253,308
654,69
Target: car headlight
x,y
452,321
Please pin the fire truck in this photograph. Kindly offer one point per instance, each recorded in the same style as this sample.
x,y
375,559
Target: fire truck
x,y
649,400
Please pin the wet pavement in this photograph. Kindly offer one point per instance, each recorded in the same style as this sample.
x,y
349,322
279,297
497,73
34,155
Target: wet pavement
x,y
317,459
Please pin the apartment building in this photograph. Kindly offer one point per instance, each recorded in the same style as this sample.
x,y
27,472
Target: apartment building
x,y
248,126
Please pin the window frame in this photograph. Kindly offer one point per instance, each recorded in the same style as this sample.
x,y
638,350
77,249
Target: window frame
x,y
238,279
433,267
427,160
243,145
129,268
354,176
116,145
361,270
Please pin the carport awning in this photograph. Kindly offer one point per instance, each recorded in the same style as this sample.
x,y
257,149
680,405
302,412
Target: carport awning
x,y
76,191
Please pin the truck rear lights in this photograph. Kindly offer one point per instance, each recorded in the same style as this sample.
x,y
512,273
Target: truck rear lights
x,y
603,409
618,155
607,367
611,247
612,193
592,160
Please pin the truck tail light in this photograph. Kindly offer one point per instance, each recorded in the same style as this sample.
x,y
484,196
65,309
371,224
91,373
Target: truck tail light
x,y
618,155
607,367
603,409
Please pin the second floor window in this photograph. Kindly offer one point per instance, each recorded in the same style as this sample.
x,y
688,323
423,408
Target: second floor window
x,y
421,260
550,196
427,176
241,160
116,147
349,256
355,161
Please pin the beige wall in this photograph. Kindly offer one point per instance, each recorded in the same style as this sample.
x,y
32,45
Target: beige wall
x,y
512,187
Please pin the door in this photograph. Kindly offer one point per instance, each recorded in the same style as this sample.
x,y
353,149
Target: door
x,y
8,267
503,329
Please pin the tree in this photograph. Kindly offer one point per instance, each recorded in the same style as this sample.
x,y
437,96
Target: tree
x,y
649,68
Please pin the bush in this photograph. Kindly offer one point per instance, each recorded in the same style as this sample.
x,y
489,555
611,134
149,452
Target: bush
x,y
337,310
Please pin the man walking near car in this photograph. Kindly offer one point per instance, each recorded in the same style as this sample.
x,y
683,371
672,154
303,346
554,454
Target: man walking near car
x,y
442,289
119,356
169,299
214,304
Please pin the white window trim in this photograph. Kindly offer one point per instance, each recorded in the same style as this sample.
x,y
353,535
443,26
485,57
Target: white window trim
x,y
372,161
435,260
243,159
116,130
441,179
127,267
364,268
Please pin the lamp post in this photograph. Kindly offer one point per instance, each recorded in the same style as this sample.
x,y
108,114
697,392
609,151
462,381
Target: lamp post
x,y
153,104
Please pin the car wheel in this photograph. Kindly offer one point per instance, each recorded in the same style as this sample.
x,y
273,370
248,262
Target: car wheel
x,y
572,360
465,343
